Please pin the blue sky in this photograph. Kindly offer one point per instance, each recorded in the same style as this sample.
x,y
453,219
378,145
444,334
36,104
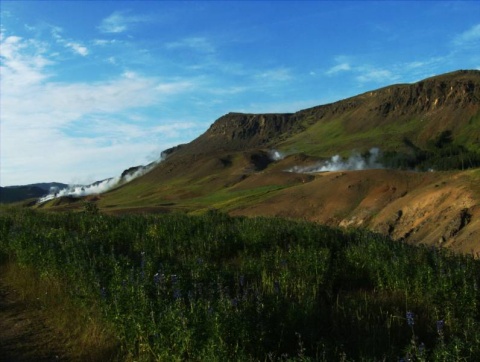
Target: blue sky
x,y
91,88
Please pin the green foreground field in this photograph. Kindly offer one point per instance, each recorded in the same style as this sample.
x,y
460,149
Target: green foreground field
x,y
212,287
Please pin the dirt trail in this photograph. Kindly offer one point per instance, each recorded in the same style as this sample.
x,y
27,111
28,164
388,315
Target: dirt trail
x,y
24,337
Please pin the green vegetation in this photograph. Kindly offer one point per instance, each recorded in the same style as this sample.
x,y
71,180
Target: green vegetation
x,y
226,199
217,288
323,139
441,153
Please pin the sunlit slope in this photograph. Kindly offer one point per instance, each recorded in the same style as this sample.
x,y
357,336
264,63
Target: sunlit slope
x,y
230,166
381,118
384,118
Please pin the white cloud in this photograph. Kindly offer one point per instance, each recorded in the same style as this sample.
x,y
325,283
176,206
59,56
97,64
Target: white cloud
x,y
119,22
74,46
51,128
77,48
20,67
342,67
115,23
104,42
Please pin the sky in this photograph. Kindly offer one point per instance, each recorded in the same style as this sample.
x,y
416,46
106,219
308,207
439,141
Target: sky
x,y
90,88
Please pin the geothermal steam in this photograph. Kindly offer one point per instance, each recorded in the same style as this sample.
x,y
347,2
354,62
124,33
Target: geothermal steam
x,y
337,163
98,187
276,155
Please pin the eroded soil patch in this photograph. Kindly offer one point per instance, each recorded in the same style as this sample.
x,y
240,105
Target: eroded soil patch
x,y
24,336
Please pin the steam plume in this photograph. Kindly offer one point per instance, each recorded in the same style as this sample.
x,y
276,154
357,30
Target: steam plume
x,y
337,163
99,187
276,155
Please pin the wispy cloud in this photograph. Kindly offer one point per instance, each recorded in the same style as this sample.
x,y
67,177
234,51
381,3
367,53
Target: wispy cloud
x,y
376,76
104,42
342,67
175,87
24,63
343,64
468,37
200,44
76,47
119,22
276,75
363,73
78,125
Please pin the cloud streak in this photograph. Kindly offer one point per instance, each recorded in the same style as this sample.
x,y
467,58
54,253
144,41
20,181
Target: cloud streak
x,y
342,67
200,44
75,47
120,22
468,37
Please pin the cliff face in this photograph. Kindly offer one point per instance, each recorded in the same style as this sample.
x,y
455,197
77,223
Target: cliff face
x,y
457,90
239,132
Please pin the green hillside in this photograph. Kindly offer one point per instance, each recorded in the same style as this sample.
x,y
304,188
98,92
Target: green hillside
x,y
407,122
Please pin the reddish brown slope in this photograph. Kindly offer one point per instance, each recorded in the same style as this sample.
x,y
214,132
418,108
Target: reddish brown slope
x,y
431,208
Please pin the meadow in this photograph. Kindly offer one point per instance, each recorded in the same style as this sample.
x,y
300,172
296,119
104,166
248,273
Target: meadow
x,y
211,287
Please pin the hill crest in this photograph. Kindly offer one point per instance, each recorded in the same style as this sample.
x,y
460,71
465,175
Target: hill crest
x,y
444,102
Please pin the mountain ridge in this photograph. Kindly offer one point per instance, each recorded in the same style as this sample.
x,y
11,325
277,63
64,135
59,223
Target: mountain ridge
x,y
458,92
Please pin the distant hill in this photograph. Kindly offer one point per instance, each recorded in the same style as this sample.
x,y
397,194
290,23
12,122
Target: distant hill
x,y
251,164
10,194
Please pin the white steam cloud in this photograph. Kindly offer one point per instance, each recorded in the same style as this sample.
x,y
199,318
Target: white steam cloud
x,y
99,187
276,155
337,163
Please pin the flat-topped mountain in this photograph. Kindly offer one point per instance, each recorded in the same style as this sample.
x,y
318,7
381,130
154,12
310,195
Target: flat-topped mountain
x,y
381,118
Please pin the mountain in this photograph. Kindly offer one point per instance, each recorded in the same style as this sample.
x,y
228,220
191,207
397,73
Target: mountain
x,y
10,194
418,111
253,165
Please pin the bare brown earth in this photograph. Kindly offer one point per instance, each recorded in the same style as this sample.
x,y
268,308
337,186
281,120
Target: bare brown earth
x,y
433,208
24,336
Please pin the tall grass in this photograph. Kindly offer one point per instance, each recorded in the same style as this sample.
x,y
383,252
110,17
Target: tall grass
x,y
218,288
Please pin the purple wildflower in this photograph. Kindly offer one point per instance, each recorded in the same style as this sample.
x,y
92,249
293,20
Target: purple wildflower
x,y
410,318
440,325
